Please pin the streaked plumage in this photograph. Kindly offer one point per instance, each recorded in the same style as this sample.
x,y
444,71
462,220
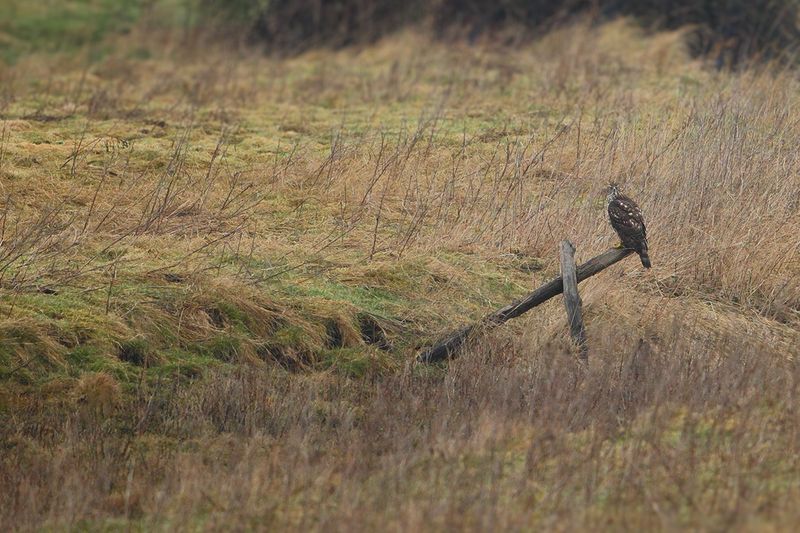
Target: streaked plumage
x,y
627,220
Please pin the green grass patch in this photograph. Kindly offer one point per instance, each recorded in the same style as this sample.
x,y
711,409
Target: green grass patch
x,y
62,26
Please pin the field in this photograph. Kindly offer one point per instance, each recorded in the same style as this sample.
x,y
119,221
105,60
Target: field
x,y
216,268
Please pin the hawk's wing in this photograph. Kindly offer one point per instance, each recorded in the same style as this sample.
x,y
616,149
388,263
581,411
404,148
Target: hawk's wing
x,y
626,217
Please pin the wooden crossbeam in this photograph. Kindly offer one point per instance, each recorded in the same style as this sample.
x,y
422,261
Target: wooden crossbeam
x,y
450,345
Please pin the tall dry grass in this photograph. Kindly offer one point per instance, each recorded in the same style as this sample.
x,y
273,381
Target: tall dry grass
x,y
651,437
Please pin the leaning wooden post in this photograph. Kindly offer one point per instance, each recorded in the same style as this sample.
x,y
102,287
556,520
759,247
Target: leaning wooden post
x,y
452,343
572,300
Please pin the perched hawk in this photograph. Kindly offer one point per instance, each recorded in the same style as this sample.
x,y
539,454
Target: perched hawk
x,y
627,220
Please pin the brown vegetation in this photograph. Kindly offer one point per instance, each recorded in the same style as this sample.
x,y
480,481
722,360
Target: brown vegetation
x,y
216,271
731,33
657,434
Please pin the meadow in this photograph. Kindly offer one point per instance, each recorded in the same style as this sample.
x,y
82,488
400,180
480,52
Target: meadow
x,y
217,267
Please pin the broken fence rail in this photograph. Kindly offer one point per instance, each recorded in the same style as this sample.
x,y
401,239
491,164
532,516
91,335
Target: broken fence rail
x,y
450,345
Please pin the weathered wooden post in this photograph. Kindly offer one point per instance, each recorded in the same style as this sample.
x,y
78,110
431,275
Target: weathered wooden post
x,y
572,300
450,345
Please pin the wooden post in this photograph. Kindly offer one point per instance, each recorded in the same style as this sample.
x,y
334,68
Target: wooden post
x,y
449,346
572,300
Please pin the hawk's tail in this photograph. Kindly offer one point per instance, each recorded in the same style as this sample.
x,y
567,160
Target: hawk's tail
x,y
644,257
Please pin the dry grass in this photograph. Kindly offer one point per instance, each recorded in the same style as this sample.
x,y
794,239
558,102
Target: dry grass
x,y
216,269
651,437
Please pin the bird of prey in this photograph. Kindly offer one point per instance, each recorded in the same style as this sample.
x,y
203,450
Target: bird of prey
x,y
627,220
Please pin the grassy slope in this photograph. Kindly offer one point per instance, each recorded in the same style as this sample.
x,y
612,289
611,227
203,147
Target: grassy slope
x,y
190,217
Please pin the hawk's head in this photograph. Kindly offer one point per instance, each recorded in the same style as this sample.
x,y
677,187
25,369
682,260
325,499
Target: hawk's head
x,y
612,191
